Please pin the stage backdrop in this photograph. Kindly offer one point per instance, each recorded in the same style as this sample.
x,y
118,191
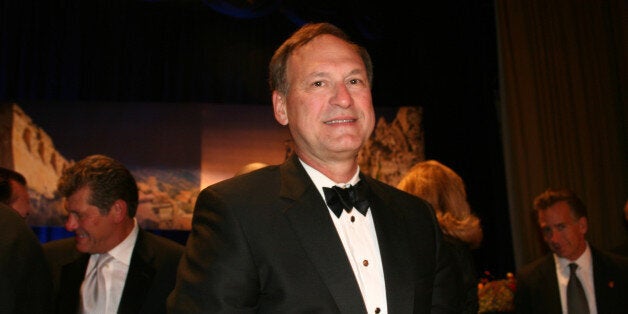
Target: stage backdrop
x,y
173,149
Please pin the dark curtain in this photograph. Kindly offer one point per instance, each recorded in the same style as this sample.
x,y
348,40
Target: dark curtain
x,y
134,51
564,79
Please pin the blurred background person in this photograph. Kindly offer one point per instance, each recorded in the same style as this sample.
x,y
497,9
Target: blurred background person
x,y
25,280
543,284
622,249
14,191
445,191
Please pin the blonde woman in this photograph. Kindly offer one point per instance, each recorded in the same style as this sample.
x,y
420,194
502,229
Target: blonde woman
x,y
445,191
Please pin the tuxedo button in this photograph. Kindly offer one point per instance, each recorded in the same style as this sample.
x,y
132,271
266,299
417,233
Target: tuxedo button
x,y
352,218
377,310
365,262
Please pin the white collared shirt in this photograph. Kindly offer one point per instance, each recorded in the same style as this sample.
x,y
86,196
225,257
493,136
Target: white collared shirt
x,y
115,271
357,233
584,273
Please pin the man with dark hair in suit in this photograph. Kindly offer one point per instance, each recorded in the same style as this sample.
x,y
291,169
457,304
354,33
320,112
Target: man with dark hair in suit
x,y
543,286
110,265
268,242
14,192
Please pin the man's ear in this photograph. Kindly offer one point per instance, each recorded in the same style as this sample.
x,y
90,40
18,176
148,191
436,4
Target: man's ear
x,y
583,224
119,210
279,107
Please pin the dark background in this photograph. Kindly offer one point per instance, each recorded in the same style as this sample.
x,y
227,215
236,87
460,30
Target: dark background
x,y
58,56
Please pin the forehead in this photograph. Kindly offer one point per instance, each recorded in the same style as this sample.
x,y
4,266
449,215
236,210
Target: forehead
x,y
79,200
557,213
325,48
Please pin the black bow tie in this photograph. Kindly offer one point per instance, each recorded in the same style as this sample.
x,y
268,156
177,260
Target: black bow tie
x,y
338,198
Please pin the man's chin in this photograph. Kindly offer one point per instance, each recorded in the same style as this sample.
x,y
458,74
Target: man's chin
x,y
81,245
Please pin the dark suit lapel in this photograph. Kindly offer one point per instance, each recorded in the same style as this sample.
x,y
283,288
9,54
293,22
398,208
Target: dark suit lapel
x,y
607,295
397,266
308,214
600,282
549,285
71,278
139,277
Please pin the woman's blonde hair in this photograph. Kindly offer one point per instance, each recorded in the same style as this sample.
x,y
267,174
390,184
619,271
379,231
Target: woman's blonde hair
x,y
445,191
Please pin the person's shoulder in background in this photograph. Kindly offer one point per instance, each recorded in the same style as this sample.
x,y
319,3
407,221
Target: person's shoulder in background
x,y
621,249
25,279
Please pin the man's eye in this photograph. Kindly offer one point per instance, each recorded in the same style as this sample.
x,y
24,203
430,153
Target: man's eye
x,y
318,84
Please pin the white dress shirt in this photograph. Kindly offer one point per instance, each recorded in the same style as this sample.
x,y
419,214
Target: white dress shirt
x,y
115,271
584,273
357,233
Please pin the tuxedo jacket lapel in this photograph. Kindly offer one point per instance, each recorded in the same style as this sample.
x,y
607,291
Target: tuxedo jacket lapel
x,y
395,262
549,285
610,288
72,275
308,214
602,282
139,277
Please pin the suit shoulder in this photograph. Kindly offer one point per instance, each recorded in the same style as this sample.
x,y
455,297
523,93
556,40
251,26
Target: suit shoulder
x,y
610,258
14,229
60,251
61,245
536,266
383,188
163,244
249,183
621,249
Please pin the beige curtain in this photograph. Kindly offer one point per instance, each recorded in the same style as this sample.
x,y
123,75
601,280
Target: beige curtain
x,y
563,80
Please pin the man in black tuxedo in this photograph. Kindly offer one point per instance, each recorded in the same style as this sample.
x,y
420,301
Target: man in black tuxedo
x,y
542,285
267,242
101,198
25,280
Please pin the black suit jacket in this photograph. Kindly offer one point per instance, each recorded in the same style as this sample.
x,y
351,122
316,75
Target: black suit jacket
x,y
264,242
150,279
537,285
25,280
621,249
466,275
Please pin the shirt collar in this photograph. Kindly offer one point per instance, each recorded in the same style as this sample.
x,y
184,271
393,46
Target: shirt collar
x,y
320,180
584,261
123,251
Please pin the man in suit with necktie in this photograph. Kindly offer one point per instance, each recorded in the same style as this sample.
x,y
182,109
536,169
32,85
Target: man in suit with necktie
x,y
110,265
599,283
267,242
